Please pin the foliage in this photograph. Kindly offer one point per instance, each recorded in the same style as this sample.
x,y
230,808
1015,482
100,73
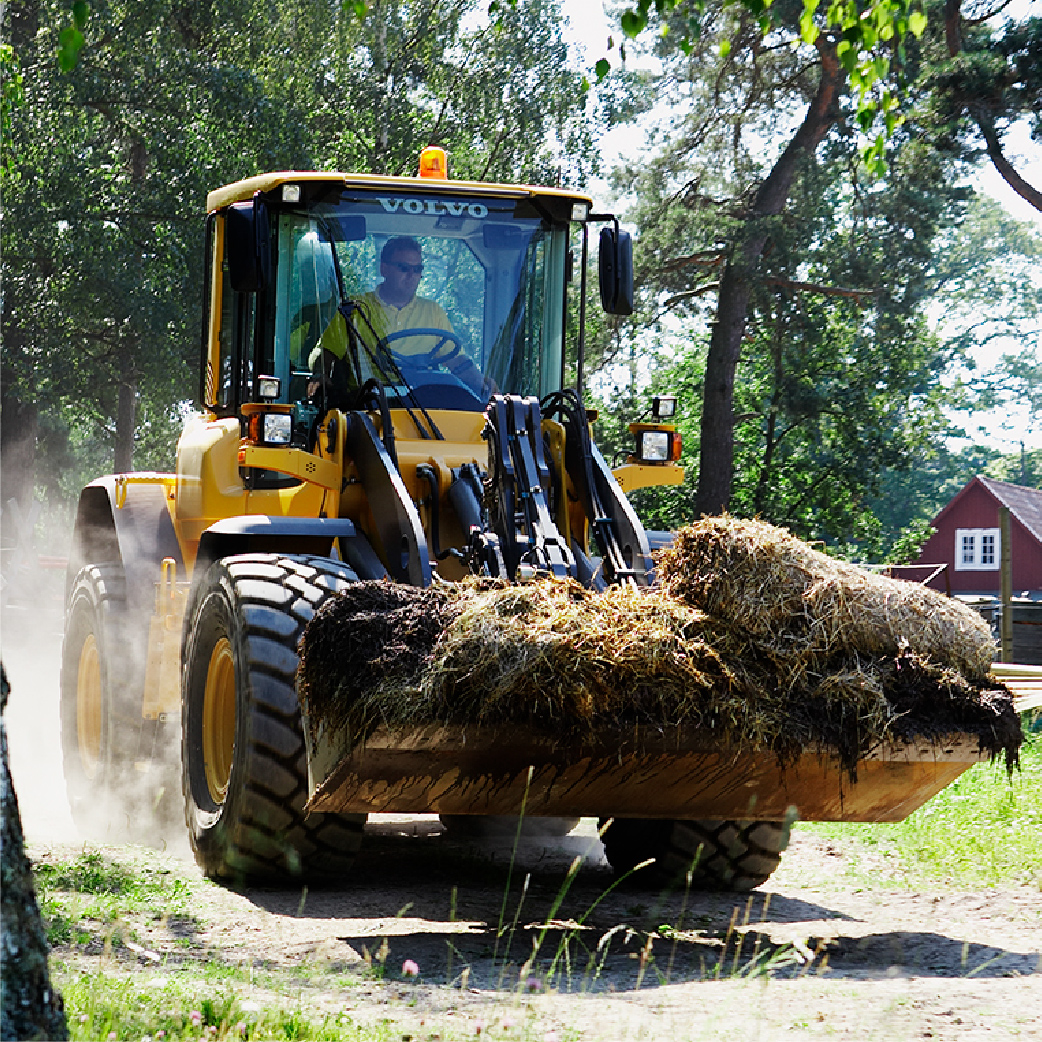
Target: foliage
x,y
982,75
868,36
839,379
107,166
981,830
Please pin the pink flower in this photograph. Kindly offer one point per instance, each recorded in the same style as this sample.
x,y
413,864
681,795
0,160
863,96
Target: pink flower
x,y
113,1036
195,1017
533,984
479,1026
509,1024
241,1027
410,969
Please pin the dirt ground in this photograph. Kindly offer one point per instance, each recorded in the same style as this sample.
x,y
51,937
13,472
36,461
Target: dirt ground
x,y
809,954
815,952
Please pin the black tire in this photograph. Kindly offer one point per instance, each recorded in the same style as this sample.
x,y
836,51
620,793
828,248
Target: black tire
x,y
246,816
504,826
92,754
721,855
122,781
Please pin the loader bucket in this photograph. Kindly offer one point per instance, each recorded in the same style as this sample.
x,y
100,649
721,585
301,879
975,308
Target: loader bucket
x,y
639,773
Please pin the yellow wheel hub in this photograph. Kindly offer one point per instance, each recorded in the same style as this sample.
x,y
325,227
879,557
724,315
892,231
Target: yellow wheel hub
x,y
88,707
219,720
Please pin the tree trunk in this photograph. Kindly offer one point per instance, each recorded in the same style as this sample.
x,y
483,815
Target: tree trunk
x,y
31,1007
126,416
18,426
716,458
985,120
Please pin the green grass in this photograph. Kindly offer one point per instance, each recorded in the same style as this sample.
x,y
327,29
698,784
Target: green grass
x,y
102,1006
90,895
985,829
180,1006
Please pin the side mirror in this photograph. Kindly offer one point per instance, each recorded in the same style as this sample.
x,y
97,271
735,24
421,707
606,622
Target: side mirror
x,y
247,238
615,270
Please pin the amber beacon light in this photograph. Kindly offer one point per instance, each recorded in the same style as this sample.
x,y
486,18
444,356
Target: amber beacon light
x,y
434,163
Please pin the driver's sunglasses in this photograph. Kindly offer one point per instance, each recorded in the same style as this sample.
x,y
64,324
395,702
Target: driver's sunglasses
x,y
408,269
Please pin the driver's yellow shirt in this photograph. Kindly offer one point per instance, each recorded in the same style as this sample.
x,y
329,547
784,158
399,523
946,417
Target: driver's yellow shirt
x,y
419,313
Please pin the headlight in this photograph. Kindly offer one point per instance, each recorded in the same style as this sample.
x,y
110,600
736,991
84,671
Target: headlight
x,y
278,428
268,387
653,446
664,406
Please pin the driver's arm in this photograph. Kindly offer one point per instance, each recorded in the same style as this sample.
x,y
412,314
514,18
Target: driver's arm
x,y
459,365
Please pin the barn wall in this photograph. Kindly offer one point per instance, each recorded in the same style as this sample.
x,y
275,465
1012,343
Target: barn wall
x,y
975,507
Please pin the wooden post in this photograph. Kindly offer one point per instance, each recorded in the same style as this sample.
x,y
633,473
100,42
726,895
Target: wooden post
x,y
1006,540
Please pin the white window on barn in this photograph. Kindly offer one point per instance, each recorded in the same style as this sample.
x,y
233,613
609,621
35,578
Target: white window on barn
x,y
977,549
969,550
987,550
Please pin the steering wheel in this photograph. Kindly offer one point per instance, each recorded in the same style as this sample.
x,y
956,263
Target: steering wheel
x,y
427,358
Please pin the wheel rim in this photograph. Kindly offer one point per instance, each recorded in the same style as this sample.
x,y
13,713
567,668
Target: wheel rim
x,y
88,706
219,720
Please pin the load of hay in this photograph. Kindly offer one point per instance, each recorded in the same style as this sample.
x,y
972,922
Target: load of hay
x,y
751,637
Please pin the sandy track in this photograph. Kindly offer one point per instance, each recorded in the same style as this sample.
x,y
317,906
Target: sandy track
x,y
848,962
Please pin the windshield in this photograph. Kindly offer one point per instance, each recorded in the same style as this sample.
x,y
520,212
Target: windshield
x,y
451,298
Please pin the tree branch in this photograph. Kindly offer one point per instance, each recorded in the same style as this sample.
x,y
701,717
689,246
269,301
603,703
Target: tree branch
x,y
985,121
828,291
709,287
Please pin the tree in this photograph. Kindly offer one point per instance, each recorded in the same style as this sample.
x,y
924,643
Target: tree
x,y
108,166
809,275
863,55
985,78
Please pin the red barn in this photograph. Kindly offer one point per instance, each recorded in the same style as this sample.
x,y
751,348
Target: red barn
x,y
968,539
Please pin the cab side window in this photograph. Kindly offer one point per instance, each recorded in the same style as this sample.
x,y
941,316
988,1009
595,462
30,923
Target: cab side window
x,y
238,321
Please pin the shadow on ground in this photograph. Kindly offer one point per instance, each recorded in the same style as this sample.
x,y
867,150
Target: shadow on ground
x,y
467,908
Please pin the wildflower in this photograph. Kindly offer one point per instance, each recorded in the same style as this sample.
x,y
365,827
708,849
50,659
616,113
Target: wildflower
x,y
241,1027
509,1023
533,984
195,1017
83,1018
410,969
160,1034
479,1026
113,1036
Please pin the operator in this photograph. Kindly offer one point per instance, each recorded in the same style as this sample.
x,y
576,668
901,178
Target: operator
x,y
394,306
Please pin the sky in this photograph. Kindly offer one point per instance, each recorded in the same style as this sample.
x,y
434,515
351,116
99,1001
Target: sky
x,y
589,28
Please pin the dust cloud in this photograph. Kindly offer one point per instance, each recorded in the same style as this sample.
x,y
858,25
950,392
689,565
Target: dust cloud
x,y
31,625
30,644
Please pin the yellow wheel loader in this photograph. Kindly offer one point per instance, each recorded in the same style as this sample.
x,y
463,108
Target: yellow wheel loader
x,y
382,396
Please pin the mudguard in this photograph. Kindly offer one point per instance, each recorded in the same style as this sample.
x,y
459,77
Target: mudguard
x,y
123,519
260,533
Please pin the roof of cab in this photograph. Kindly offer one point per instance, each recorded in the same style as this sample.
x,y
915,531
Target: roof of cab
x,y
244,190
